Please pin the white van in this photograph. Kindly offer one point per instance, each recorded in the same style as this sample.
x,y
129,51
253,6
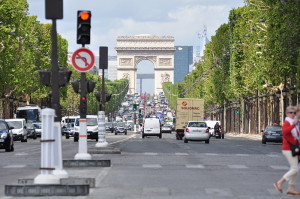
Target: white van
x,y
19,130
151,127
91,127
68,119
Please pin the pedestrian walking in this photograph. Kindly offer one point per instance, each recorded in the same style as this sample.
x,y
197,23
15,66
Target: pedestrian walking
x,y
290,134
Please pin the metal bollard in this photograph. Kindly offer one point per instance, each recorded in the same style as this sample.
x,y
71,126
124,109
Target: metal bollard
x,y
47,146
101,130
59,171
82,148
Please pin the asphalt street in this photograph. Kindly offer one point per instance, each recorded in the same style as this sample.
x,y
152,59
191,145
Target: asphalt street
x,y
237,167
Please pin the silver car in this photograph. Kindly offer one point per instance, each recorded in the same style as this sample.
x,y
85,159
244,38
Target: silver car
x,y
196,131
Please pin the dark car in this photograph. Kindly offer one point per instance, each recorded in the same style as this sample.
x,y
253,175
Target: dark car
x,y
272,133
69,130
120,128
6,137
31,133
109,127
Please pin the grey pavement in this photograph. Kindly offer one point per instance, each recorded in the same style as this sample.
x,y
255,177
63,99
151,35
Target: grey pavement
x,y
236,167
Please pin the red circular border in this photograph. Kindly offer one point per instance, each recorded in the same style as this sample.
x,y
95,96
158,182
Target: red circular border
x,y
89,66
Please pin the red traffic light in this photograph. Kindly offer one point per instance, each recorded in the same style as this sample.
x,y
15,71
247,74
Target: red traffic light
x,y
84,15
83,98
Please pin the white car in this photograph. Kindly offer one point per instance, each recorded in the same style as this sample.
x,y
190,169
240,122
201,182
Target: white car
x,y
19,131
196,131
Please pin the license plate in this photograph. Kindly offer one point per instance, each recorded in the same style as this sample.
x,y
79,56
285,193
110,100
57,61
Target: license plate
x,y
1,140
275,134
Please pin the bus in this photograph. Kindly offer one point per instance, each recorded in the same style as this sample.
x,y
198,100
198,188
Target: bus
x,y
31,113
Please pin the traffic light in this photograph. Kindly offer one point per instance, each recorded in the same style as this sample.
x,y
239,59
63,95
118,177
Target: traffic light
x,y
64,78
75,85
83,26
83,105
134,107
90,86
107,97
45,77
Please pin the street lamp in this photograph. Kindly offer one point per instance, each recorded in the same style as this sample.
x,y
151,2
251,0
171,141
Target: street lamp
x,y
278,93
284,91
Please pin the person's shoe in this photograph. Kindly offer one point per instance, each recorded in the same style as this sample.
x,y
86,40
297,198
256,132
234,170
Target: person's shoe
x,y
277,187
293,193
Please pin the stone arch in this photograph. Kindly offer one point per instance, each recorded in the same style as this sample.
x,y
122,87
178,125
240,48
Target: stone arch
x,y
131,50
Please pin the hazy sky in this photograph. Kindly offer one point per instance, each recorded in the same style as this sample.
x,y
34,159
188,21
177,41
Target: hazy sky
x,y
112,18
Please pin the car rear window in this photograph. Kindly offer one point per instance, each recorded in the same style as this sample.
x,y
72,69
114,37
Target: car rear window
x,y
274,128
197,124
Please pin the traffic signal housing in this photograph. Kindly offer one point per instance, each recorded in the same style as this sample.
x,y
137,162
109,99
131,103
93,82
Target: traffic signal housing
x,y
83,26
134,107
75,85
83,105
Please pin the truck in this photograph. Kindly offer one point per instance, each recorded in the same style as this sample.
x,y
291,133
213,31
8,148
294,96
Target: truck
x,y
188,109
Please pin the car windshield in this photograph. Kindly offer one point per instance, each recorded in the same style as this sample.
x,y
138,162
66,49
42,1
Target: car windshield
x,y
91,122
273,128
120,124
197,124
37,126
15,124
2,126
166,125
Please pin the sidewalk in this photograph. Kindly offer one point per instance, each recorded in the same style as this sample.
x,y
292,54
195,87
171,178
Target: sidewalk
x,y
244,135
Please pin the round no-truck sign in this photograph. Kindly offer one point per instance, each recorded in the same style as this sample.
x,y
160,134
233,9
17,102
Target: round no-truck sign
x,y
83,59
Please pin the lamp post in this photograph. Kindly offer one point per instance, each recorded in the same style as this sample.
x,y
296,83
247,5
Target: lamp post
x,y
284,95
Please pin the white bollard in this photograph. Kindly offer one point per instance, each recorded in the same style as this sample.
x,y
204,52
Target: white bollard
x,y
82,148
101,130
58,163
47,146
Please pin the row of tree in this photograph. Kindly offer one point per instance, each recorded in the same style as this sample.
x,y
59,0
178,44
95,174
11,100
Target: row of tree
x,y
256,51
25,48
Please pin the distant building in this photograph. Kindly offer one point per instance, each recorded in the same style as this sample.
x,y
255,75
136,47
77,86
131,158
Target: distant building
x,y
112,68
183,58
199,47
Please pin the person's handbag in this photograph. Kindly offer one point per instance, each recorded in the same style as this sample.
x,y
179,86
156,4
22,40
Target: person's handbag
x,y
295,149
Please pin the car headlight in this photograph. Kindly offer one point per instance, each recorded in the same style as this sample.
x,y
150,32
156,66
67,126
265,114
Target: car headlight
x,y
4,135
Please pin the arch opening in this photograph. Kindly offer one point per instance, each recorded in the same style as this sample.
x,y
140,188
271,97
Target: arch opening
x,y
145,77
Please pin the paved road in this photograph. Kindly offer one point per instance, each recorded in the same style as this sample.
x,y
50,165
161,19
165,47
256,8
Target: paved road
x,y
235,167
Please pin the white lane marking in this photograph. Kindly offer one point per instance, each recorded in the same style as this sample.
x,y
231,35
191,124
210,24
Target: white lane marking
x,y
181,154
195,166
148,153
154,166
237,166
20,154
100,177
273,155
123,140
242,155
14,166
219,192
276,167
212,154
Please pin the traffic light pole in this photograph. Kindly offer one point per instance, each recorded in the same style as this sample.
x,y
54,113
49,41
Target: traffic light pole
x,y
82,146
102,106
56,105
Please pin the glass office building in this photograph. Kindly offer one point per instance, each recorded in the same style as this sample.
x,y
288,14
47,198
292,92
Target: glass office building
x,y
183,58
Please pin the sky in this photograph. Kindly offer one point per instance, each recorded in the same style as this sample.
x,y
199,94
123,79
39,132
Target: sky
x,y
181,19
112,18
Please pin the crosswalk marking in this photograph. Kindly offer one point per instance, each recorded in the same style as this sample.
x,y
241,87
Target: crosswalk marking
x,y
236,166
14,166
155,166
196,166
277,167
181,154
148,153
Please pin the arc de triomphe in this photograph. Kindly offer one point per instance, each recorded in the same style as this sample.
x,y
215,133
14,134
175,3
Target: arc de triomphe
x,y
133,49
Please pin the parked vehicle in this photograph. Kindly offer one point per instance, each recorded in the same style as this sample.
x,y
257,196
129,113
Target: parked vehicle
x,y
188,109
92,127
19,129
69,130
196,131
31,133
166,128
109,127
38,129
272,133
151,127
6,136
120,128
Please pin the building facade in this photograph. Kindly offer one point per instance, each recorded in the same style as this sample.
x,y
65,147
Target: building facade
x,y
183,59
